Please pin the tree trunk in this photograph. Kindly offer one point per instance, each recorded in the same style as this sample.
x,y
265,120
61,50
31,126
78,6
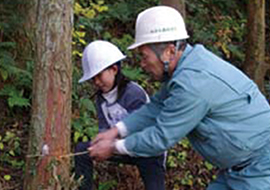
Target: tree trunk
x,y
177,4
255,65
51,104
267,75
267,31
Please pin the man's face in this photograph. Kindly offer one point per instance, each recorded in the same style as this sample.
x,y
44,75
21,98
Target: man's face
x,y
150,62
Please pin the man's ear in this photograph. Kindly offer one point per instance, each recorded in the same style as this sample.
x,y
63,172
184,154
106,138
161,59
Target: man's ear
x,y
168,53
172,51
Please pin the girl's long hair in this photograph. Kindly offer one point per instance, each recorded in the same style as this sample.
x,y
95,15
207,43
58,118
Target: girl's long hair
x,y
121,81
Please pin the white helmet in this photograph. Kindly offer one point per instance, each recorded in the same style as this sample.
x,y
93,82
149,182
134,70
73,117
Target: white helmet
x,y
97,56
159,24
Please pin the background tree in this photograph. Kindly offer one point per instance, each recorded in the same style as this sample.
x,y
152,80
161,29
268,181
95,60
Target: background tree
x,y
177,4
51,104
255,65
267,42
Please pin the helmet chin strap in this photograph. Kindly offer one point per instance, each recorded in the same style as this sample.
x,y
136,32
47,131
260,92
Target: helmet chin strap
x,y
166,75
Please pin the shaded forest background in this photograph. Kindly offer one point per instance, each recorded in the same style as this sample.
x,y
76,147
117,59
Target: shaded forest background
x,y
221,25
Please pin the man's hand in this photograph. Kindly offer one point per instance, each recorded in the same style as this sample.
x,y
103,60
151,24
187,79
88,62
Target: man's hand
x,y
102,147
102,150
110,134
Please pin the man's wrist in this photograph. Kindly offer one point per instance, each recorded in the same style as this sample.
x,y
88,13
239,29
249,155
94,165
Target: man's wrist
x,y
115,132
120,147
122,129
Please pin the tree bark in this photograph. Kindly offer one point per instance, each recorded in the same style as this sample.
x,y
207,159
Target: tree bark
x,y
51,104
267,31
177,4
255,65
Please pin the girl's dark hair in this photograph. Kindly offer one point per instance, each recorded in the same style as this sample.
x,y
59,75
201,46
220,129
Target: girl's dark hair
x,y
121,81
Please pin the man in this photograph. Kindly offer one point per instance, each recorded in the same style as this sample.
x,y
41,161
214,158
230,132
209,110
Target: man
x,y
219,109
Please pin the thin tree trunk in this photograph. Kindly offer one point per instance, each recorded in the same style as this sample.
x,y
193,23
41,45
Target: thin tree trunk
x,y
51,105
177,4
267,43
267,26
255,65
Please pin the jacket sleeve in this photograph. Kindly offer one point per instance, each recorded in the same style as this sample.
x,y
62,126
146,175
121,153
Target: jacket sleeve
x,y
182,110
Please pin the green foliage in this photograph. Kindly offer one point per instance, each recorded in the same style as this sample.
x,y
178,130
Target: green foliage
x,y
126,11
11,19
133,73
84,122
10,70
17,78
85,125
176,158
220,25
10,148
7,177
186,169
122,43
84,14
15,87
187,179
208,165
15,97
107,185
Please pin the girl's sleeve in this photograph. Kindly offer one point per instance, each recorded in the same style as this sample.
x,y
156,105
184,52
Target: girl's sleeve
x,y
135,97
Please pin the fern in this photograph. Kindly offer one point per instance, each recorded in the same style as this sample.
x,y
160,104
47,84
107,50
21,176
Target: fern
x,y
15,97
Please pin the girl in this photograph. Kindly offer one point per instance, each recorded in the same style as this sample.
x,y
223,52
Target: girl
x,y
116,98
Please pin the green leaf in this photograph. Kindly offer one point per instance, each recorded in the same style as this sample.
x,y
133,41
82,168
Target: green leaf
x,y
208,165
77,135
16,144
92,131
85,138
17,164
18,101
4,74
107,185
7,90
87,104
12,153
7,45
15,96
1,146
185,143
133,73
7,177
76,124
9,136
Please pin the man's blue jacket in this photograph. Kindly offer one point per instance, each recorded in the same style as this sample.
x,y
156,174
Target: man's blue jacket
x,y
219,109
